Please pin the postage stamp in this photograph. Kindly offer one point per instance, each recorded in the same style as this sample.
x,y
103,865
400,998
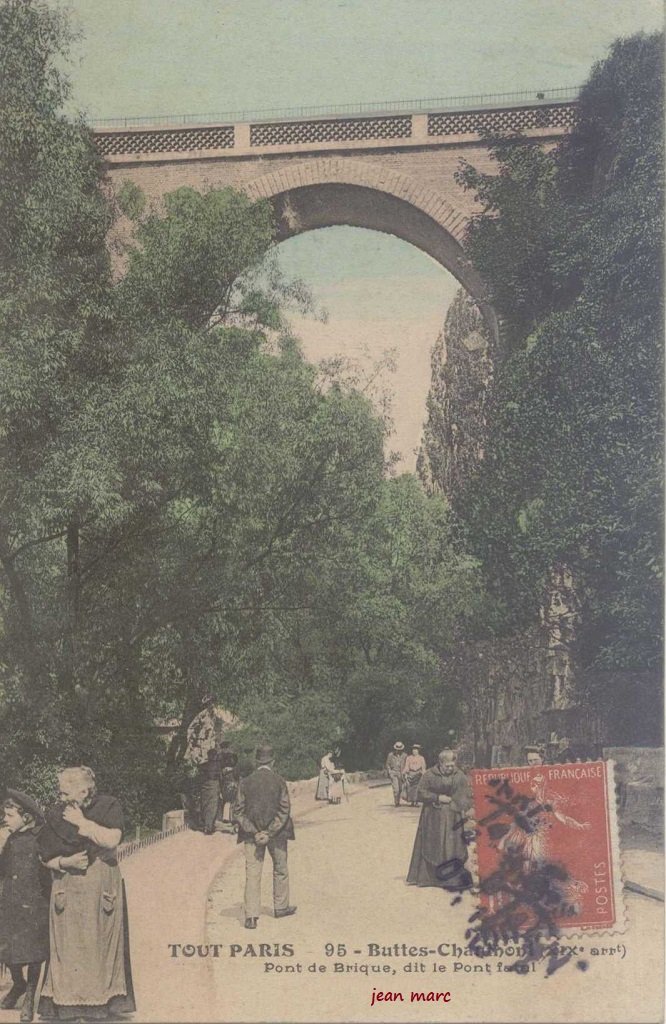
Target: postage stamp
x,y
547,847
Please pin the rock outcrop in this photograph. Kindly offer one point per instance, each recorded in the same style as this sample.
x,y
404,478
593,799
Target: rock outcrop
x,y
454,435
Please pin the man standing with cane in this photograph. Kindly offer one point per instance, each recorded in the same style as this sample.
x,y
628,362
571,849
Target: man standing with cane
x,y
263,814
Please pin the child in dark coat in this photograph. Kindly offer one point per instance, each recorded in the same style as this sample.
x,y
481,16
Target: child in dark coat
x,y
24,902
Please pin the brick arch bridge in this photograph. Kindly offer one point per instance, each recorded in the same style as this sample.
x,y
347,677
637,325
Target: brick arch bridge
x,y
328,191
392,172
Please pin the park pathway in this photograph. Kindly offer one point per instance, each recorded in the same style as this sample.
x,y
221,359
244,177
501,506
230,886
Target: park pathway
x,y
347,867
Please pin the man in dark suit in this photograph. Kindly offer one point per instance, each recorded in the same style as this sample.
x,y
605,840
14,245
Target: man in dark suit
x,y
262,813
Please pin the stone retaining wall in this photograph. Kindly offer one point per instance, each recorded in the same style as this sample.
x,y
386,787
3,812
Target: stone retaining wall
x,y
639,776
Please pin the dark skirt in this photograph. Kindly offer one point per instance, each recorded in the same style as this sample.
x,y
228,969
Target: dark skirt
x,y
210,802
439,854
412,780
229,789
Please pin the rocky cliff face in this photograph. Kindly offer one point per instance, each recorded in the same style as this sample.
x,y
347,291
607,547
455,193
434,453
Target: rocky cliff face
x,y
518,689
462,370
524,688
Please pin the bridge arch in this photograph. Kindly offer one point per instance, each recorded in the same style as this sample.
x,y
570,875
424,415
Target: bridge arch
x,y
327,192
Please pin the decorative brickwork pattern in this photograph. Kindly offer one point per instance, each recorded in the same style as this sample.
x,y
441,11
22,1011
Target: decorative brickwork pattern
x,y
467,122
174,140
294,132
345,171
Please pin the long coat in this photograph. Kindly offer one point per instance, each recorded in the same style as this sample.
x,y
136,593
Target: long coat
x,y
24,903
440,851
263,805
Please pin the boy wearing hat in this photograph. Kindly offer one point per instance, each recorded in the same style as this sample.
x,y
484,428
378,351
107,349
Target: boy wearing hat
x,y
395,768
263,814
24,902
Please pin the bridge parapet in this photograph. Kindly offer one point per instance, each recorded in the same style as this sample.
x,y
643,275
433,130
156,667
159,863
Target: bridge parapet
x,y
141,143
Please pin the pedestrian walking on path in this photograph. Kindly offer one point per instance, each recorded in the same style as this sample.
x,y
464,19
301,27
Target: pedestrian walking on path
x,y
440,851
395,767
414,770
210,776
202,742
263,814
326,769
229,776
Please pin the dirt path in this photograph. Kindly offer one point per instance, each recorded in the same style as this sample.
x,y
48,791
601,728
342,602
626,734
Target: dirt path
x,y
347,868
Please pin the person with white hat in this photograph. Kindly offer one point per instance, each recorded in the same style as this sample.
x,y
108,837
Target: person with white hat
x,y
395,767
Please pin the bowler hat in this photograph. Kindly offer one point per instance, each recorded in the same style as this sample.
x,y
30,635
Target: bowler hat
x,y
264,755
398,746
26,803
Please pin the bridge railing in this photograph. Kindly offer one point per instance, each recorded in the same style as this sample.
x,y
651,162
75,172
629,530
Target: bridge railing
x,y
438,104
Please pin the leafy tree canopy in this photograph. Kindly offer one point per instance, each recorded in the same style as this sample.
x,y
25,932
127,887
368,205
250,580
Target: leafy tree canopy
x,y
570,241
188,505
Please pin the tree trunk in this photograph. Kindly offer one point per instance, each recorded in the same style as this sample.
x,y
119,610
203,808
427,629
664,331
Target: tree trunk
x,y
17,591
178,744
73,598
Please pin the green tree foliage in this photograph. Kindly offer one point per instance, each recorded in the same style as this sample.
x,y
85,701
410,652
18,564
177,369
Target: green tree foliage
x,y
188,505
382,603
570,241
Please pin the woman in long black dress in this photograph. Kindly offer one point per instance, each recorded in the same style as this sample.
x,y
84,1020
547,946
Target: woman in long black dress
x,y
440,851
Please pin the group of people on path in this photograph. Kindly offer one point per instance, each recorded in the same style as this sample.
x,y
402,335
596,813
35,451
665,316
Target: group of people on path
x,y
63,903
218,770
405,772
258,802
63,906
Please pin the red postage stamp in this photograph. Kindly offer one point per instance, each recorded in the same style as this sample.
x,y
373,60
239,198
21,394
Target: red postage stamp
x,y
547,843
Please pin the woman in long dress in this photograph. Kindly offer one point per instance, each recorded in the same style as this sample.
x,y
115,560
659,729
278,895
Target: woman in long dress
x,y
337,783
89,974
326,769
413,771
440,852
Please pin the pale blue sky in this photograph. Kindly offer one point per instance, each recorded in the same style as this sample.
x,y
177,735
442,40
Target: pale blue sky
x,y
143,57
155,57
